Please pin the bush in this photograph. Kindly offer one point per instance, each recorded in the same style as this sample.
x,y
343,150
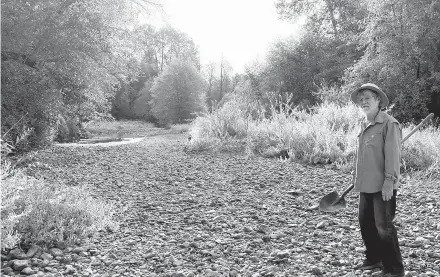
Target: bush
x,y
35,212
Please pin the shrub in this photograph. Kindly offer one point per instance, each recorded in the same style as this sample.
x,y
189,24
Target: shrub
x,y
35,212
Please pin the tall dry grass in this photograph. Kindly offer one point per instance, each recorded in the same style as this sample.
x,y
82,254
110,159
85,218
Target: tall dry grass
x,y
36,212
325,134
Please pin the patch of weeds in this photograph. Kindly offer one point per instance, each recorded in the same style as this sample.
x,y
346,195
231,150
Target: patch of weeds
x,y
35,212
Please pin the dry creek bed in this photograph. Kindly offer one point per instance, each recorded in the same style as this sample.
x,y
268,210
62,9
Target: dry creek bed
x,y
206,214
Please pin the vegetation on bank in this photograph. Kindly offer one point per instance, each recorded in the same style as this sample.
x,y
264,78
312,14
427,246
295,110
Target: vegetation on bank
x,y
36,212
323,134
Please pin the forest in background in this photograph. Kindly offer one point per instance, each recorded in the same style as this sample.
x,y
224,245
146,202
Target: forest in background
x,y
65,63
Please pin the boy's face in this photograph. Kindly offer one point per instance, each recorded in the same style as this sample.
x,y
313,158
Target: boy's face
x,y
366,100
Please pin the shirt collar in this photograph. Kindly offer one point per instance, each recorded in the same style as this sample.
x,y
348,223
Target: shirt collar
x,y
378,119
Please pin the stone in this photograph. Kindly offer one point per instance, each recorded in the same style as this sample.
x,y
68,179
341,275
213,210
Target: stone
x,y
28,271
316,271
70,269
254,259
211,273
277,235
56,252
94,251
32,251
283,253
78,250
321,225
19,265
233,273
7,270
17,253
44,263
50,269
177,262
46,256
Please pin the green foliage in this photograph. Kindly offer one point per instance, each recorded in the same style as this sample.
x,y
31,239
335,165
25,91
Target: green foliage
x,y
63,58
35,212
402,56
161,48
177,93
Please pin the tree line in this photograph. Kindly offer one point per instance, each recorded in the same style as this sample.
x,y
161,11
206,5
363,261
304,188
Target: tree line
x,y
67,62
393,43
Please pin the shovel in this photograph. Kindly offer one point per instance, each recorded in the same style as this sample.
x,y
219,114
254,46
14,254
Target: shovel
x,y
333,202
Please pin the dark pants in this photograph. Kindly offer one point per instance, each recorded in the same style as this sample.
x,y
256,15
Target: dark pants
x,y
378,231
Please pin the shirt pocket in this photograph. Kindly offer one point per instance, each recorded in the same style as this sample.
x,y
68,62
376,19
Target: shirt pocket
x,y
375,140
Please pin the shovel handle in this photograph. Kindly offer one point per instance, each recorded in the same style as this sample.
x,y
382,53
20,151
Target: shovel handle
x,y
431,115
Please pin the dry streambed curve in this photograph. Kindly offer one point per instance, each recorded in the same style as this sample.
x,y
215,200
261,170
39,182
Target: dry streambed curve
x,y
210,214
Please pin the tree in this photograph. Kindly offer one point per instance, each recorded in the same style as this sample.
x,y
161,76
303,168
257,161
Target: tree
x,y
177,93
159,48
402,42
339,19
73,52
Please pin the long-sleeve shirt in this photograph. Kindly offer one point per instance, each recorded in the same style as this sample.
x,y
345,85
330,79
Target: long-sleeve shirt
x,y
377,162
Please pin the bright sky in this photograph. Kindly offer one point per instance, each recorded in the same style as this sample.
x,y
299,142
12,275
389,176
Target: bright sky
x,y
241,30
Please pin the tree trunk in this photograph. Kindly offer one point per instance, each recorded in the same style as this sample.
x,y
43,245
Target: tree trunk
x,y
331,11
221,79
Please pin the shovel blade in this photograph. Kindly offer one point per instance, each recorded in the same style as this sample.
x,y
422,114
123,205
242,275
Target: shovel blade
x,y
331,202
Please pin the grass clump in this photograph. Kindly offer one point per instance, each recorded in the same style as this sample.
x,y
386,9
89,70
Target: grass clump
x,y
35,212
421,152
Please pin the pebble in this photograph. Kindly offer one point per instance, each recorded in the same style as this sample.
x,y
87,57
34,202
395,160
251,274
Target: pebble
x,y
7,270
28,271
56,252
19,265
210,273
32,251
283,253
316,271
78,250
321,225
70,269
254,259
46,256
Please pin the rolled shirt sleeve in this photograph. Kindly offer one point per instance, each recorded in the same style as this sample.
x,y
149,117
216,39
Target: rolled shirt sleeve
x,y
392,152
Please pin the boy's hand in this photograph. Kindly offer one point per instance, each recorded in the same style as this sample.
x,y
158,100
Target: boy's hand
x,y
387,191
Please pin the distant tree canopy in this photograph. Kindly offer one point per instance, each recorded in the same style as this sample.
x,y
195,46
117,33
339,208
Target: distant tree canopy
x,y
160,47
66,62
177,93
61,61
395,44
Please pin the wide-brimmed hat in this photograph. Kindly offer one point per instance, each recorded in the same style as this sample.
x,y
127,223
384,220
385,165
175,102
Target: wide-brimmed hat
x,y
372,87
